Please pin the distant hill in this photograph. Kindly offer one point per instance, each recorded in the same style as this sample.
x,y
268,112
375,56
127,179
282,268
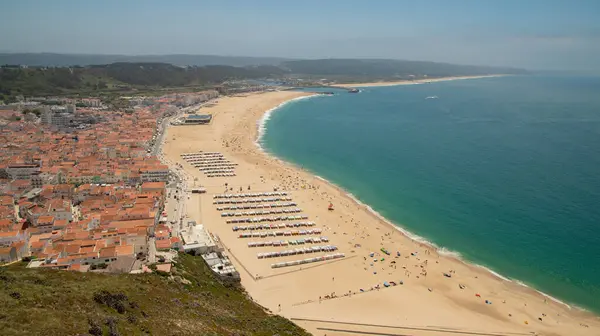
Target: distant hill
x,y
162,74
336,66
62,60
120,76
185,71
191,302
387,69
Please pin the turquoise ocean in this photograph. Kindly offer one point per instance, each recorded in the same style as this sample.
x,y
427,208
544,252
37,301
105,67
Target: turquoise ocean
x,y
504,172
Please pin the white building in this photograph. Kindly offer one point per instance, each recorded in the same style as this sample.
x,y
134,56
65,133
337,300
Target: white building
x,y
221,266
196,239
60,209
60,116
91,102
62,120
7,238
47,115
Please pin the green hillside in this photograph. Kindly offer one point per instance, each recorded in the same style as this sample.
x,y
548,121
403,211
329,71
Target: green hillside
x,y
191,302
126,78
66,60
119,77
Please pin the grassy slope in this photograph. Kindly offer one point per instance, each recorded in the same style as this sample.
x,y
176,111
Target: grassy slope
x,y
119,77
45,302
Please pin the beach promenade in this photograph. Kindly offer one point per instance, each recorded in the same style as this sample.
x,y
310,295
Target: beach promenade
x,y
386,284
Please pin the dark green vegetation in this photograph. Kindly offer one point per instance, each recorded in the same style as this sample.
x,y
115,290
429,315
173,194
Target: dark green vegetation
x,y
386,69
66,60
149,78
46,302
119,77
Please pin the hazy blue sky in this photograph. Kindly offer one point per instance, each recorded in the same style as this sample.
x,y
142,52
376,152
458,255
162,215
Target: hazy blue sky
x,y
538,34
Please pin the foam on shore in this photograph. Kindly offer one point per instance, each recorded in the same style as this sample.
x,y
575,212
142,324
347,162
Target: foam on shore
x,y
261,124
442,250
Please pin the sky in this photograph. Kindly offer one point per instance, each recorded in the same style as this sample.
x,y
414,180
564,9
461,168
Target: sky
x,y
532,34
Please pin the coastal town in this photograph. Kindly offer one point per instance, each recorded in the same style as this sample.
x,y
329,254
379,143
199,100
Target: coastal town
x,y
84,187
422,168
89,187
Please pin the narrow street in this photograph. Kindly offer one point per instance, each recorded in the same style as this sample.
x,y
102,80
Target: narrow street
x,y
177,193
151,250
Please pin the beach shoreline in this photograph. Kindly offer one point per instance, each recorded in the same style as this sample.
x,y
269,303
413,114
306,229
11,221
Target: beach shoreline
x,y
240,139
424,242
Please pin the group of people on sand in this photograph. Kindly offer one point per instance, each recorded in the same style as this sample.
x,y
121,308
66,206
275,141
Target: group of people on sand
x,y
377,287
228,188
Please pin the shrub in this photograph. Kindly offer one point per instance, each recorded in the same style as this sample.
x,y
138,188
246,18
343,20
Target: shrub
x,y
115,301
95,329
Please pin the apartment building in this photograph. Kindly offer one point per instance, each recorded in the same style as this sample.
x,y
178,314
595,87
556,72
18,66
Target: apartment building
x,y
158,173
22,171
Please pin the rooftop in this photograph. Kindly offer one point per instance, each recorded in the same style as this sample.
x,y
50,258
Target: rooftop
x,y
196,236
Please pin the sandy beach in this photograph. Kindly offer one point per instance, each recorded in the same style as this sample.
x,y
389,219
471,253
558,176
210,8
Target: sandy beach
x,y
416,81
347,296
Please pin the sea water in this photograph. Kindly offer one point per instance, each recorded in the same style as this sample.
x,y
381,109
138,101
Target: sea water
x,y
504,172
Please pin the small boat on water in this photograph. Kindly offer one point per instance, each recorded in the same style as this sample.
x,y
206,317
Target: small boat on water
x,y
432,97
354,90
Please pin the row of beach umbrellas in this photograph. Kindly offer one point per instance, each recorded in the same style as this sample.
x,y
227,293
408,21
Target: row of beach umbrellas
x,y
309,240
208,160
308,260
213,164
301,250
220,175
264,234
266,219
200,154
260,212
272,226
253,200
257,206
217,171
257,194
210,167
